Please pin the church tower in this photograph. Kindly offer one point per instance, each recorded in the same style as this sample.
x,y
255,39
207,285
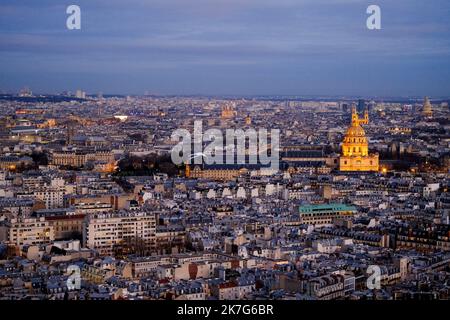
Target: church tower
x,y
187,171
248,120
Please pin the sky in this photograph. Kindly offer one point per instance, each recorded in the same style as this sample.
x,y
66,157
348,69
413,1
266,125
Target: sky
x,y
227,47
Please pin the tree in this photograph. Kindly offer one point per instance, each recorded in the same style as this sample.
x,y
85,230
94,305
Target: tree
x,y
132,246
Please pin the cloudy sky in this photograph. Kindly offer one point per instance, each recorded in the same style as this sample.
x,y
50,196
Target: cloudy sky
x,y
301,47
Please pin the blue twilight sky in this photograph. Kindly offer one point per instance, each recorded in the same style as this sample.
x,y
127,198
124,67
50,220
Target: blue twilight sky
x,y
298,47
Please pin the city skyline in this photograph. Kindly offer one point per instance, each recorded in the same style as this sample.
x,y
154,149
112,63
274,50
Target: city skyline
x,y
220,158
98,203
227,48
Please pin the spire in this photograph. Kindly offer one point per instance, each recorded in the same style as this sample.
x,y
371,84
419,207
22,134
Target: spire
x,y
248,120
355,119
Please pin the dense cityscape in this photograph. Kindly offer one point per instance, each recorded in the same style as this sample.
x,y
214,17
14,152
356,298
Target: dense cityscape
x,y
92,207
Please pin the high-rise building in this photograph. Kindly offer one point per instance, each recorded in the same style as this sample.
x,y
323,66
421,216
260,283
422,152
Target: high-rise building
x,y
80,94
361,105
70,132
25,92
371,106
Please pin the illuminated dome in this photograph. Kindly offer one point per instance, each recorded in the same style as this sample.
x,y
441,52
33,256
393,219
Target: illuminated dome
x,y
427,109
355,141
355,147
355,132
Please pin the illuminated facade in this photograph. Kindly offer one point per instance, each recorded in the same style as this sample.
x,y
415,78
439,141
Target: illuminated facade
x,y
103,231
427,110
321,214
248,120
27,231
355,148
222,173
228,112
79,158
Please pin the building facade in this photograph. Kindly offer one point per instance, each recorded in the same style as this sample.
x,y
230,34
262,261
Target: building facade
x,y
103,232
27,231
324,213
355,147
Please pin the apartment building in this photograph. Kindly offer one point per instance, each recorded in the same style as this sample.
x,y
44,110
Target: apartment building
x,y
105,231
51,196
78,158
321,214
27,231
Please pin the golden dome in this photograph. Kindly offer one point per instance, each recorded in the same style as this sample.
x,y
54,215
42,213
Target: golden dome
x,y
355,147
355,135
427,109
355,132
355,141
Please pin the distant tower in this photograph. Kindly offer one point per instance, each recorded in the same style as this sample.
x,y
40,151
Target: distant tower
x,y
188,170
248,120
361,105
99,111
25,92
70,132
355,118
344,107
427,110
371,106
228,111
80,94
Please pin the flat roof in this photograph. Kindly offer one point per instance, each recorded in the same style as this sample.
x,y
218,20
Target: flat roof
x,y
326,207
